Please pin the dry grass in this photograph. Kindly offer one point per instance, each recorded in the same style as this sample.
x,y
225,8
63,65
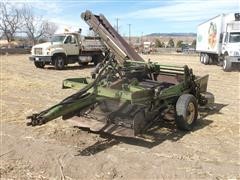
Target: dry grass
x,y
211,151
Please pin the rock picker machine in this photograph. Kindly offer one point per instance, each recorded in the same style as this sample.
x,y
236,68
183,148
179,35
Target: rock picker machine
x,y
125,94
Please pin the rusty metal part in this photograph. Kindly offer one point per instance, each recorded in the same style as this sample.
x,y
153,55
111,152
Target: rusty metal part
x,y
110,37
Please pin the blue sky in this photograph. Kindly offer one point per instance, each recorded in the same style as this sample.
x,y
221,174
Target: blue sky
x,y
145,17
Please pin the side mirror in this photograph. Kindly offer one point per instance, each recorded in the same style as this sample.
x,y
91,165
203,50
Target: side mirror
x,y
237,16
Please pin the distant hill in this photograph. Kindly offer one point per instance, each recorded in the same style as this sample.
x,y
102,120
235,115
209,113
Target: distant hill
x,y
163,37
173,34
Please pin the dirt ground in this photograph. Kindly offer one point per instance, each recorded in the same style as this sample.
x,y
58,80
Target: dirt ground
x,y
57,150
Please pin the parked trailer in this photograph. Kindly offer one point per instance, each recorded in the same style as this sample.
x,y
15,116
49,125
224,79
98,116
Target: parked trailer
x,y
68,48
218,41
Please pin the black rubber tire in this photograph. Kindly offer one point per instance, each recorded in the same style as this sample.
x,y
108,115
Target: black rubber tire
x,y
206,59
97,59
39,64
227,65
186,112
59,62
83,63
95,63
210,60
201,58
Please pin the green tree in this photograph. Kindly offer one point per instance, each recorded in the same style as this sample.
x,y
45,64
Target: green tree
x,y
163,44
158,43
179,43
171,43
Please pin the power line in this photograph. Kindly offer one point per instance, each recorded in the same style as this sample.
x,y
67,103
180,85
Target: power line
x,y
129,33
117,19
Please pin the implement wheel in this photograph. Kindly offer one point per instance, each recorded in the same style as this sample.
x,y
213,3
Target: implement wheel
x,y
186,112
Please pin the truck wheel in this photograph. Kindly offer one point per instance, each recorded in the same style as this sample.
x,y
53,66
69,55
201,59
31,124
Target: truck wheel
x,y
227,65
95,62
59,61
186,112
39,64
210,60
205,59
83,63
97,59
201,58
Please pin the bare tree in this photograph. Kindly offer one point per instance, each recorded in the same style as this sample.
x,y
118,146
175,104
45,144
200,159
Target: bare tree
x,y
10,20
171,43
35,27
50,28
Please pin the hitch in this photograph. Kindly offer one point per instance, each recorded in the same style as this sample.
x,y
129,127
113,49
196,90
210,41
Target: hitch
x,y
35,120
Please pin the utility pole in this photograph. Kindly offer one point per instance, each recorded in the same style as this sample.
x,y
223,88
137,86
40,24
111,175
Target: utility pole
x,y
117,19
129,33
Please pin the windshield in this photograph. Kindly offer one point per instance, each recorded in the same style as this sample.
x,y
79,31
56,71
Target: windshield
x,y
234,37
57,38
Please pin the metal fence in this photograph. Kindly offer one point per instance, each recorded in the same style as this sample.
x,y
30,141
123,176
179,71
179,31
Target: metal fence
x,y
175,50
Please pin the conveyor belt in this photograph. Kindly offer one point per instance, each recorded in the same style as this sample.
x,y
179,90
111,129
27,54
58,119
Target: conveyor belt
x,y
114,41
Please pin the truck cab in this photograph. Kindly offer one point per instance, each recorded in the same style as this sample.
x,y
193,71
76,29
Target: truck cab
x,y
231,44
67,48
147,47
71,44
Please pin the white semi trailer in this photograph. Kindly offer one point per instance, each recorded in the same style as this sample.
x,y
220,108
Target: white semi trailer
x,y
218,41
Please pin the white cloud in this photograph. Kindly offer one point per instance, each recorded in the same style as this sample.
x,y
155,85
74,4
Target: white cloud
x,y
186,10
55,11
48,8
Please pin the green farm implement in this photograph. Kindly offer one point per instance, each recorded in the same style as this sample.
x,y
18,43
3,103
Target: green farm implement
x,y
125,94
